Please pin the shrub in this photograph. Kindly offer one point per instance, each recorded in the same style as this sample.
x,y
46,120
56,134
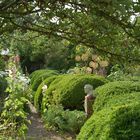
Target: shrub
x,y
34,74
70,121
69,90
37,81
107,91
121,121
38,94
3,85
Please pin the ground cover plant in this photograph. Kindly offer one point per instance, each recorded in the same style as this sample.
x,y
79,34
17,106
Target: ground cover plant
x,y
64,120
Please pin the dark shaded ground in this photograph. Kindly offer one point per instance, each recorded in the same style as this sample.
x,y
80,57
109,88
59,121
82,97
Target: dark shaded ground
x,y
38,132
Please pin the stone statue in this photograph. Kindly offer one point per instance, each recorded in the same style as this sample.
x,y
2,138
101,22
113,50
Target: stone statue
x,y
89,99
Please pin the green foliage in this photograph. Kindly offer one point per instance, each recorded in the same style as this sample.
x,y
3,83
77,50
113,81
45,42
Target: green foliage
x,y
2,64
58,118
38,51
39,77
108,25
35,74
129,73
107,91
13,116
3,85
69,90
120,121
38,94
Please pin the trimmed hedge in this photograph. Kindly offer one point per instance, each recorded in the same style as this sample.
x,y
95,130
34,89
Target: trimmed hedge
x,y
107,91
35,74
69,90
40,78
38,94
120,121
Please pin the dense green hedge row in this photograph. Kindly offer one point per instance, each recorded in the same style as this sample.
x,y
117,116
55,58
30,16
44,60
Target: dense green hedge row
x,y
68,90
35,74
40,75
107,91
118,122
116,113
41,78
38,95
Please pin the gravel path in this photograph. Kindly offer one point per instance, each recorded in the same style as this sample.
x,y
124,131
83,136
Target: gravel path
x,y
37,131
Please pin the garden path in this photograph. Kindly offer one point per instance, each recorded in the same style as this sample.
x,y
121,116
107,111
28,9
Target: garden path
x,y
37,131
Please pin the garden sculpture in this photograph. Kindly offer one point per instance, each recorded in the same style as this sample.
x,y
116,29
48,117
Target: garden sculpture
x,y
89,100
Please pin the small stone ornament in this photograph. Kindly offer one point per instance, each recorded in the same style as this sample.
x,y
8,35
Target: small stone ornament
x,y
89,100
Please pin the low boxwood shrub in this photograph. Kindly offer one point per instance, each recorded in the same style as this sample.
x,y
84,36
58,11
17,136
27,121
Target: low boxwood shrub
x,y
107,91
35,74
69,91
37,81
59,119
38,94
118,122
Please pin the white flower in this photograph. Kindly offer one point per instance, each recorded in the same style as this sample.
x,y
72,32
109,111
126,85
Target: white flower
x,y
24,79
44,88
5,52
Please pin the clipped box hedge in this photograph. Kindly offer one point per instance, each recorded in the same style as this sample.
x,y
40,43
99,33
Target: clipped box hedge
x,y
38,94
35,74
69,90
107,91
38,76
120,121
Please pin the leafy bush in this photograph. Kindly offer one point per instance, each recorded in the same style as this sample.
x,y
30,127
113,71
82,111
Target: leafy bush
x,y
107,91
3,85
120,121
69,90
71,121
14,117
38,94
37,81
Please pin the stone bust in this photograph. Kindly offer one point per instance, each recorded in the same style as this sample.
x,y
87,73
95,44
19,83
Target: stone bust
x,y
88,89
89,99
